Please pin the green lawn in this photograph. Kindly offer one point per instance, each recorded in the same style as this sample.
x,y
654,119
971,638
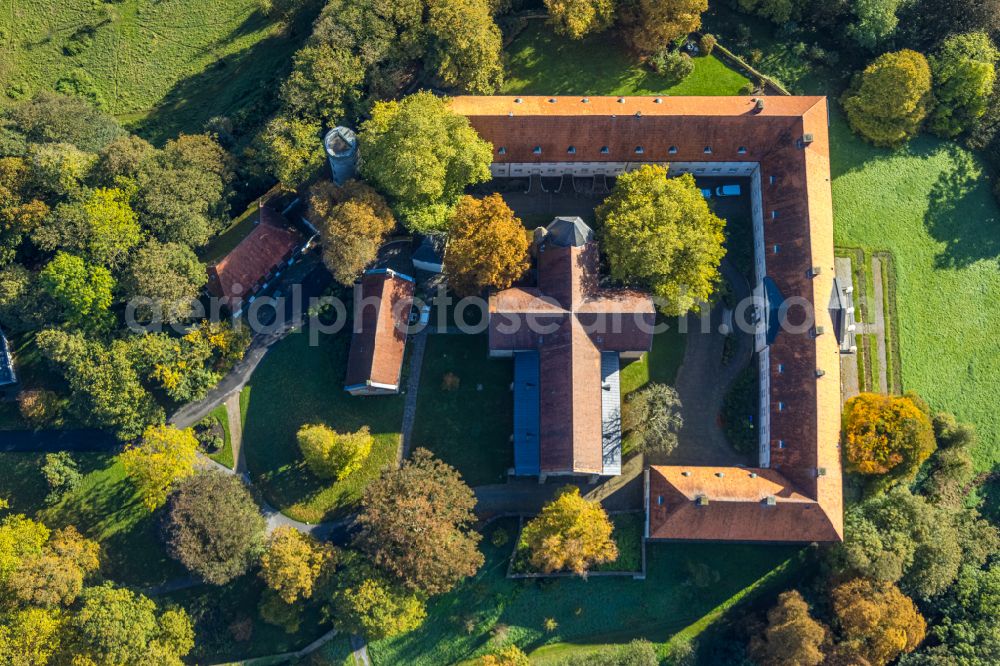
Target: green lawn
x,y
686,584
298,384
660,365
21,481
165,66
930,205
223,456
468,427
543,63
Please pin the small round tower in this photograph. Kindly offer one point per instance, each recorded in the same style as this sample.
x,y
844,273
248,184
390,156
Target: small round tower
x,y
341,147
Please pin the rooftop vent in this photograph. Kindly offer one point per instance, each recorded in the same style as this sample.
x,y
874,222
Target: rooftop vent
x,y
510,114
815,270
518,100
657,101
818,331
685,473
701,500
552,100
821,471
720,474
753,475
585,100
771,500
621,100
807,138
820,372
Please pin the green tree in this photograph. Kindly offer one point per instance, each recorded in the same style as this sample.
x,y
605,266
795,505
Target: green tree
x,y
354,221
964,71
652,417
81,292
366,603
885,434
778,11
877,621
220,544
51,118
118,626
442,152
166,278
579,18
570,534
291,149
101,227
30,636
184,190
792,637
60,168
650,24
19,307
325,79
105,388
889,100
487,246
163,457
62,475
293,563
416,524
875,21
467,44
951,467
660,234
122,160
329,454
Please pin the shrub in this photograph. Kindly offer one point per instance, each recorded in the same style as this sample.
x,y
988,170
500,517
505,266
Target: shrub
x,y
329,454
500,537
61,474
550,624
674,65
747,89
41,408
706,44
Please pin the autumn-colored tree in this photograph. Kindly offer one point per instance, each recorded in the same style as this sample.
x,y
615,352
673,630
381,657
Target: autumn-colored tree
x,y
101,227
964,71
30,636
884,433
415,523
366,603
164,456
487,246
792,637
889,100
650,24
329,454
652,418
40,407
877,622
467,44
60,168
21,540
293,562
579,18
354,221
441,151
570,534
55,576
508,656
660,234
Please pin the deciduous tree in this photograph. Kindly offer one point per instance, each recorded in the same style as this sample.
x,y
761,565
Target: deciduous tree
x,y
659,234
367,603
290,149
55,576
652,417
877,622
487,246
415,523
792,637
164,456
293,562
62,475
166,275
329,454
875,21
467,44
59,169
220,544
121,161
964,71
570,534
52,118
354,221
441,151
80,292
889,100
30,636
650,24
886,434
579,18
101,227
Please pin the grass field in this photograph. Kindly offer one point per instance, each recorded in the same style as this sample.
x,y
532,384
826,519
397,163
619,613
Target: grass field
x,y
929,204
543,63
468,427
660,365
685,584
164,66
298,384
223,456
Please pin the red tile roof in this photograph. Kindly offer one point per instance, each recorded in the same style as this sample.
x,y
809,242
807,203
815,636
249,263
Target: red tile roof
x,y
680,129
382,302
238,275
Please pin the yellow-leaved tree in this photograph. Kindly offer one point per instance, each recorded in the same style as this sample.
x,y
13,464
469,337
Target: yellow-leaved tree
x,y
162,457
330,454
293,562
570,534
889,100
877,621
884,433
578,18
487,246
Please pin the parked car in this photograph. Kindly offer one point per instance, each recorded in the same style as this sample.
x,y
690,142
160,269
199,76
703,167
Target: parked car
x,y
727,191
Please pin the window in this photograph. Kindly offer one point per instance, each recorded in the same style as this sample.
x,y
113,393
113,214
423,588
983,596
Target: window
x,y
659,499
571,150
672,150
639,150
772,179
604,150
774,215
781,443
502,150
708,150
776,248
742,150
537,150
781,368
781,406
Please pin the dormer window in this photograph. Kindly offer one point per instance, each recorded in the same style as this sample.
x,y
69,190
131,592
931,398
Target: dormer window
x,y
742,150
708,150
781,406
537,150
639,150
772,179
774,215
604,150
571,150
781,368
501,151
776,249
781,443
672,150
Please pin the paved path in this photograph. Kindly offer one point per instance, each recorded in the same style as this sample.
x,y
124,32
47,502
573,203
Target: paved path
x,y
360,651
703,382
417,347
850,384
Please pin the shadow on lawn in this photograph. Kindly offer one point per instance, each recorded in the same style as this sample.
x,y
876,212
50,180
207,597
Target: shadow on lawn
x,y
961,214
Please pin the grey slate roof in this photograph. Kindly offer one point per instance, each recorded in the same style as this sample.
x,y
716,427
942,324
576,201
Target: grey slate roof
x,y
569,232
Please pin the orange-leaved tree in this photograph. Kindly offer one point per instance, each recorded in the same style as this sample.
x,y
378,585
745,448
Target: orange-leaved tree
x,y
487,245
883,433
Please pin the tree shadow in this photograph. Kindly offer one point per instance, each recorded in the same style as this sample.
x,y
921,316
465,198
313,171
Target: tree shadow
x,y
962,214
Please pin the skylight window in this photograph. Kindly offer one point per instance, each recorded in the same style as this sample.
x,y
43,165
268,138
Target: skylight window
x,y
639,150
742,150
501,151
708,150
